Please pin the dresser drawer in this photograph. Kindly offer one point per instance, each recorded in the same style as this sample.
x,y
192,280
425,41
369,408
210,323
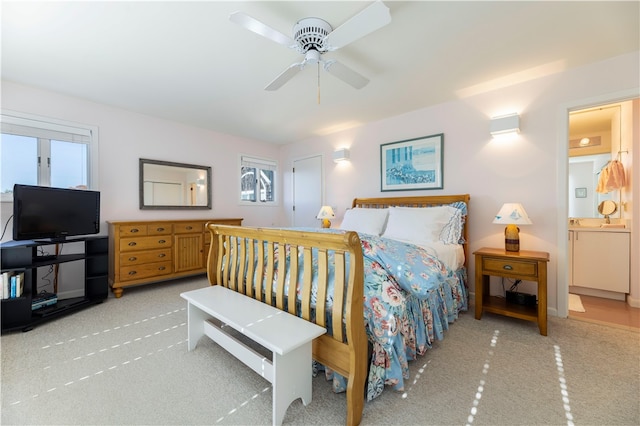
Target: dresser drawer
x,y
159,229
136,272
133,230
188,227
507,266
143,229
145,243
147,256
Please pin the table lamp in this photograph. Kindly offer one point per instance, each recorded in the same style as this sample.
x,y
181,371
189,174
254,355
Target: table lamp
x,y
326,213
512,214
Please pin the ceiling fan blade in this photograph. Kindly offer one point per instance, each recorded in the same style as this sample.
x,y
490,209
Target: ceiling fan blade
x,y
346,74
258,27
285,76
375,16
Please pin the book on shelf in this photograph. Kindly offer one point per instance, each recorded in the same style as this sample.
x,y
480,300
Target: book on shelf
x,y
12,285
43,299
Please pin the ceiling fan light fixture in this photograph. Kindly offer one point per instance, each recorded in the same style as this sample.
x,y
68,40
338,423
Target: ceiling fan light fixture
x,y
312,57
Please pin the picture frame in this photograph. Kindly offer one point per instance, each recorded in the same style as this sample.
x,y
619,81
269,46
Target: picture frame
x,y
581,192
412,164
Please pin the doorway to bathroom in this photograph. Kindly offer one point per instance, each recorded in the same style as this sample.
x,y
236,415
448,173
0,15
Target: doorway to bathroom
x,y
599,213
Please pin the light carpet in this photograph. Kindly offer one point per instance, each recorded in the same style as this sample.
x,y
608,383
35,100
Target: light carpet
x,y
575,303
125,362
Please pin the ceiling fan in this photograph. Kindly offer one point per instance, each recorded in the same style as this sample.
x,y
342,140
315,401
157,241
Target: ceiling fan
x,y
313,37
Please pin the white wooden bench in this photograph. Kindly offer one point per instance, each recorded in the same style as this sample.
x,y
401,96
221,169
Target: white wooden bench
x,y
286,336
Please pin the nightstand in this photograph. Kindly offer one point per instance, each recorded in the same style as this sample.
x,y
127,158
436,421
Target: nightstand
x,y
525,265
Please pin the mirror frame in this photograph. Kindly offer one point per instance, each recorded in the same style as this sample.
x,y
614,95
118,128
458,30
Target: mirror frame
x,y
143,206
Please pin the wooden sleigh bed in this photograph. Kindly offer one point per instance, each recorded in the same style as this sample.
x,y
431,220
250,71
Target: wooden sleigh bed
x,y
330,269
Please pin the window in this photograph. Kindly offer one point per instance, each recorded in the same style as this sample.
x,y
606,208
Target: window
x,y
257,180
46,152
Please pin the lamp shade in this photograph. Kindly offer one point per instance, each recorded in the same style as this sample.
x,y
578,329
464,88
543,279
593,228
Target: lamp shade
x,y
326,213
512,214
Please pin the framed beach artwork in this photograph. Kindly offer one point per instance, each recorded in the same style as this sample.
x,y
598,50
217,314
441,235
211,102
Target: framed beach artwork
x,y
412,164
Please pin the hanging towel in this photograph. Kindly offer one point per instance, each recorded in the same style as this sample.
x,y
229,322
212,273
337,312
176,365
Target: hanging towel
x,y
602,180
612,177
616,175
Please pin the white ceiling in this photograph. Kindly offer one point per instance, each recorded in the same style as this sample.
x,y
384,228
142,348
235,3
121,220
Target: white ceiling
x,y
185,61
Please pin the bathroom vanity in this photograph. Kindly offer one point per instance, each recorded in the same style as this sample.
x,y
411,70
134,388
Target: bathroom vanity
x,y
599,261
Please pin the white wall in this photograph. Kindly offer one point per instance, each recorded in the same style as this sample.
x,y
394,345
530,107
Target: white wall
x,y
124,137
526,169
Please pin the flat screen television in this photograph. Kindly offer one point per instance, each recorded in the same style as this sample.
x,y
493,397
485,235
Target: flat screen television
x,y
45,213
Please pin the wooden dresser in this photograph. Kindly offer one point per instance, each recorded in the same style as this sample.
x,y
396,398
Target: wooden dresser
x,y
142,252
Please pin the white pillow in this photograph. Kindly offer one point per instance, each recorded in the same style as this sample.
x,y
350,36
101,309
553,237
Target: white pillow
x,y
367,221
416,224
452,230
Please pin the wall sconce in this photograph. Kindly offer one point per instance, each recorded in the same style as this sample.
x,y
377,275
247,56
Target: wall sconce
x,y
326,213
512,214
505,124
341,155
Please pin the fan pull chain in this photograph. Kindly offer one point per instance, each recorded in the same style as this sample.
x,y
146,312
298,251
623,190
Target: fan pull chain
x,y
318,83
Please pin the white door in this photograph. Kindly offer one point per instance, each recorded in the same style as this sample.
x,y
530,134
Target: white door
x,y
307,191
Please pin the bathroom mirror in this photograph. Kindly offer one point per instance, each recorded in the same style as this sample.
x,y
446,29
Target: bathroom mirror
x,y
607,208
174,186
593,135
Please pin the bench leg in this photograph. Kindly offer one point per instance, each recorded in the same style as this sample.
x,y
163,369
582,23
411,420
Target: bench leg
x,y
292,380
195,325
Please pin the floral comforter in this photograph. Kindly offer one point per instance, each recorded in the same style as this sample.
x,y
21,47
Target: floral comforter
x,y
410,299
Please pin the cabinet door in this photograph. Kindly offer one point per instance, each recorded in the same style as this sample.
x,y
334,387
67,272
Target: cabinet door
x,y
601,260
188,252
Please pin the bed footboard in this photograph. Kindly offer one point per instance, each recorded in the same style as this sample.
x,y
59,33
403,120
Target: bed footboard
x,y
327,288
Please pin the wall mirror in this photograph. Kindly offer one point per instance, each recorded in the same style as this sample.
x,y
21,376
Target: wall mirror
x,y
165,185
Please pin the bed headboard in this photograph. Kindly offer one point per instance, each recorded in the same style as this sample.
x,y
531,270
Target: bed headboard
x,y
420,201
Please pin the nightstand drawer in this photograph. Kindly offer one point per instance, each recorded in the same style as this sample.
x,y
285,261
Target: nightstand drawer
x,y
508,266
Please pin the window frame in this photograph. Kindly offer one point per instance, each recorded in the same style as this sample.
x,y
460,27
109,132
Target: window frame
x,y
52,125
260,163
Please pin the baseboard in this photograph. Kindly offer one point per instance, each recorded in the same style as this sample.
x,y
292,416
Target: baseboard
x,y
634,303
597,293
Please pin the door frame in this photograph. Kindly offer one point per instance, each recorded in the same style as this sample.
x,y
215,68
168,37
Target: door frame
x,y
562,270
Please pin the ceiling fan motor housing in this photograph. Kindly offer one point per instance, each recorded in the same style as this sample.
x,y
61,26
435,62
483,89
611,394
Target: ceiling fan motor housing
x,y
310,33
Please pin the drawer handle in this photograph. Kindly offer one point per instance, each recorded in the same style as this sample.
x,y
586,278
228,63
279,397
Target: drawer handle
x,y
132,272
134,230
160,229
162,241
132,243
507,267
161,255
162,268
132,258
189,228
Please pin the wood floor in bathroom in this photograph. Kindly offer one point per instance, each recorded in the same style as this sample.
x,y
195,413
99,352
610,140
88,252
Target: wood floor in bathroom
x,y
610,312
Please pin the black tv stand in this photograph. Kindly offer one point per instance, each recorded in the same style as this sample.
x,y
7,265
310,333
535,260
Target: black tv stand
x,y
45,257
22,257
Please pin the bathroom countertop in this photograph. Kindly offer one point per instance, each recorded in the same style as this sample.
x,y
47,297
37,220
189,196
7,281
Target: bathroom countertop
x,y
598,229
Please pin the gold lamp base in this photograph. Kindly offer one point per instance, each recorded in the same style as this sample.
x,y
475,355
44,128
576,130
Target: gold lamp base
x,y
512,238
326,223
